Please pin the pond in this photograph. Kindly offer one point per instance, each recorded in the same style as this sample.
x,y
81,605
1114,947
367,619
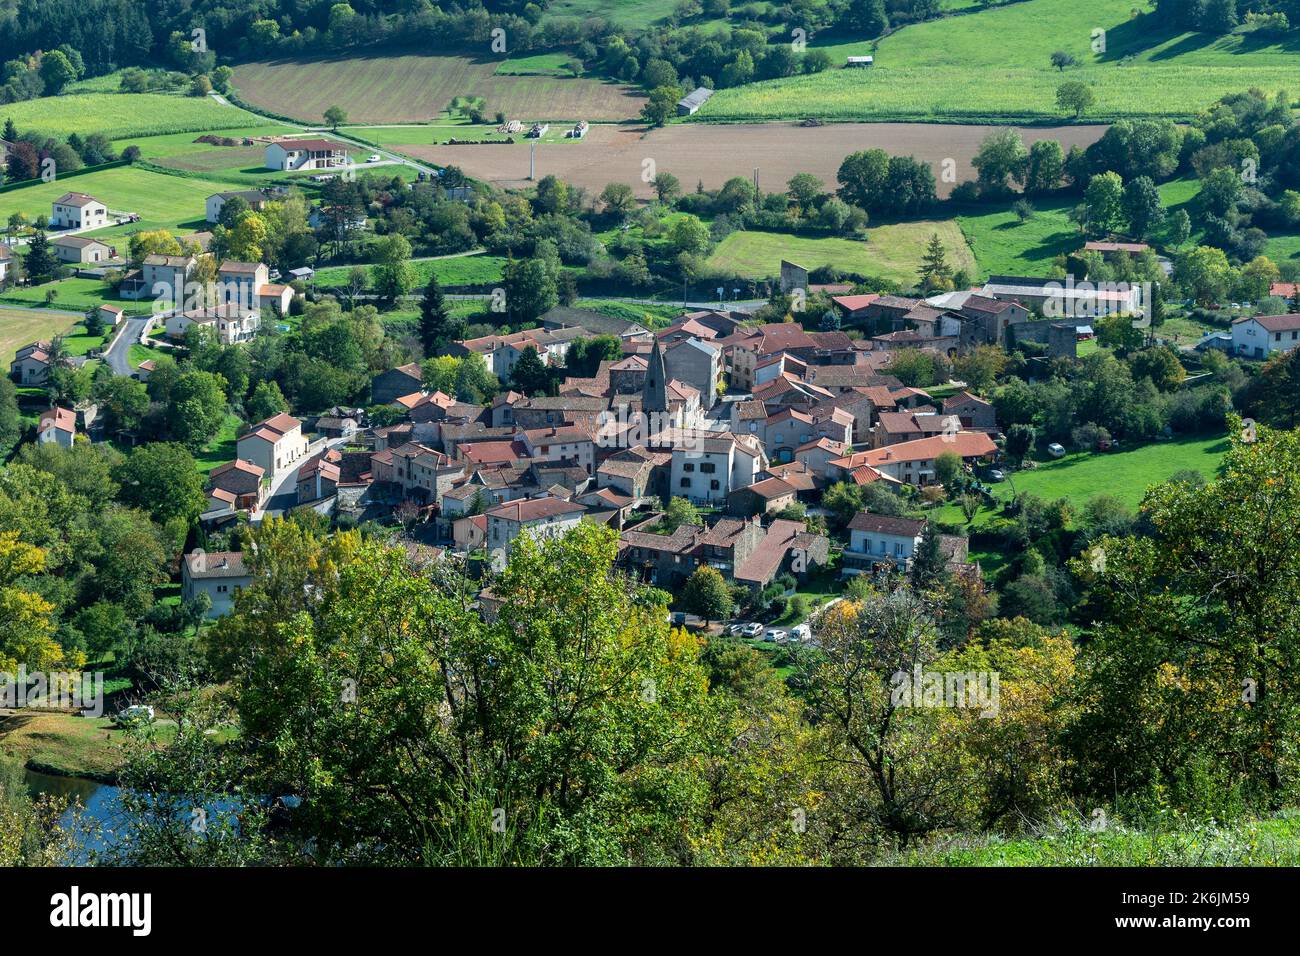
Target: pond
x,y
98,803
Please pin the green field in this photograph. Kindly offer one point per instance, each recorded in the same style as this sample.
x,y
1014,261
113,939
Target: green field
x,y
178,145
161,199
459,270
74,294
19,328
539,64
1004,245
890,251
119,115
993,66
1125,474
1273,842
222,447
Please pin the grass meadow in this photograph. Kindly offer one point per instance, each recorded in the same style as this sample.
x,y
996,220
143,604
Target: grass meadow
x,y
891,251
993,66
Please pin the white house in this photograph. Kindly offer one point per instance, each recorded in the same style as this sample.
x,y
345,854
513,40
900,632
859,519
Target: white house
x,y
218,575
6,260
274,444
78,211
874,537
255,199
57,426
705,470
31,365
533,516
1260,336
564,443
291,154
233,323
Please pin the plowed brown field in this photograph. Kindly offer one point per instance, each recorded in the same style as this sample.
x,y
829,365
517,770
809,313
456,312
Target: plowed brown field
x,y
713,153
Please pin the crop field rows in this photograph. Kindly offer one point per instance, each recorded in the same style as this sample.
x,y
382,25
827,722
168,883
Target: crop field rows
x,y
414,88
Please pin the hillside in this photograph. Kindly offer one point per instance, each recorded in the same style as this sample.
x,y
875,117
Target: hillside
x,y
993,66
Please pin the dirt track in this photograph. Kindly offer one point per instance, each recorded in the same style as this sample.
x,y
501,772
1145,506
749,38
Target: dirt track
x,y
713,153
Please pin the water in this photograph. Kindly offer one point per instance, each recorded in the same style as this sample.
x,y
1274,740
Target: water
x,y
98,804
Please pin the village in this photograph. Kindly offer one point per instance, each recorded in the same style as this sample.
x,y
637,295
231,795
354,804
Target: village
x,y
708,441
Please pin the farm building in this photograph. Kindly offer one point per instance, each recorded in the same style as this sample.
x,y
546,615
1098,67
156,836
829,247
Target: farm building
x,y
860,62
78,211
692,101
6,260
77,249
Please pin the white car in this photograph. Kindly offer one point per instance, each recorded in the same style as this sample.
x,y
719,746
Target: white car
x,y
801,632
135,714
374,158
752,630
775,634
1055,450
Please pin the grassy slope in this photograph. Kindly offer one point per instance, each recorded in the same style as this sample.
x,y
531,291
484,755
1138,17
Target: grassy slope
x,y
462,270
74,294
891,251
125,114
416,88
20,328
1274,842
1125,474
1004,245
159,198
993,65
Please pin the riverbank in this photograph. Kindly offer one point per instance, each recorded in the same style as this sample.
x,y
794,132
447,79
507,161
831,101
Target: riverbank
x,y
63,745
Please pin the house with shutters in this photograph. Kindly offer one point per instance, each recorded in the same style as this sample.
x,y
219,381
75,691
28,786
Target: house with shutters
x,y
1259,336
78,211
274,444
219,575
537,517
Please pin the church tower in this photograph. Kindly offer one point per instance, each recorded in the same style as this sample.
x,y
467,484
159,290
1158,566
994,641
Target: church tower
x,y
654,394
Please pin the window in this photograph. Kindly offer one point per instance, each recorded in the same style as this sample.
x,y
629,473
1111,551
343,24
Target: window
x,y
686,482
713,485
688,467
708,468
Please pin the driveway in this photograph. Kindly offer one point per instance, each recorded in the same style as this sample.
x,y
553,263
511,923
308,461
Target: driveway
x,y
118,355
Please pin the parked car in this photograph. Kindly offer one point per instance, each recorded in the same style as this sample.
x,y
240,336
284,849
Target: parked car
x,y
775,634
679,618
752,630
996,474
735,630
374,158
135,715
1055,450
801,633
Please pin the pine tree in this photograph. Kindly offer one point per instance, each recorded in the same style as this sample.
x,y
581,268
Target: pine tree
x,y
434,319
927,562
935,270
40,263
530,374
11,131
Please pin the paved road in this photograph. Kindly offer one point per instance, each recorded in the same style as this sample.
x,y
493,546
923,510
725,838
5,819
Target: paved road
x,y
118,356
